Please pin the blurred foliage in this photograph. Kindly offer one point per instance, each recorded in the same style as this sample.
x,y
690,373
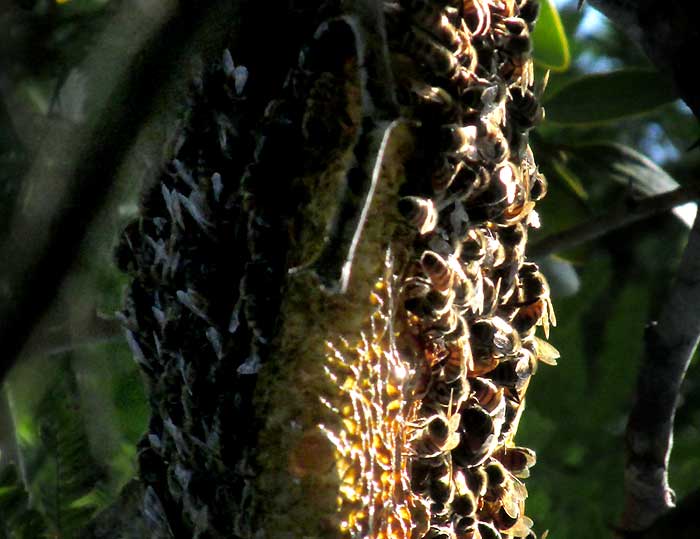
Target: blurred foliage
x,y
608,111
79,411
617,94
17,518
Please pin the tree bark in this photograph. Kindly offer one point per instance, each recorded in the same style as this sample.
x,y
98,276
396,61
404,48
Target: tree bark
x,y
304,329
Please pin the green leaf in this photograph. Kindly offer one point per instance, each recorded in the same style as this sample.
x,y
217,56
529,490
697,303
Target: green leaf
x,y
627,167
570,178
550,46
605,97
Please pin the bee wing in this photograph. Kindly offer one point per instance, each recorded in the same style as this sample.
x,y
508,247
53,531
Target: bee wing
x,y
550,311
546,352
454,422
512,503
544,320
522,527
452,442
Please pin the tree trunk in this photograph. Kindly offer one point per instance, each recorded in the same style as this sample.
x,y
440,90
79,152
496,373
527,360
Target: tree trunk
x,y
330,300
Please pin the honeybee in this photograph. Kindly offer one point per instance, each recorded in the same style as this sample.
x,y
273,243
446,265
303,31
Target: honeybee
x,y
464,526
506,274
172,204
419,212
432,102
464,502
195,302
522,528
469,294
499,199
513,238
525,107
473,246
488,396
528,11
446,324
517,460
514,410
479,437
496,476
445,173
333,45
513,36
461,140
414,293
491,340
509,516
441,491
441,305
434,346
430,17
514,373
459,361
477,16
439,532
521,210
491,143
467,53
533,300
476,481
540,350
421,381
538,186
441,273
439,435
505,496
495,251
468,180
444,398
437,58
488,531
420,473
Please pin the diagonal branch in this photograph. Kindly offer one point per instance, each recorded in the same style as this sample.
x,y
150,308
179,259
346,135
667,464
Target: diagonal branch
x,y
600,226
670,344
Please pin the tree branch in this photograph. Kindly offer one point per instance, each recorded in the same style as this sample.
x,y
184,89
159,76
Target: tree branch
x,y
668,36
679,523
670,344
600,226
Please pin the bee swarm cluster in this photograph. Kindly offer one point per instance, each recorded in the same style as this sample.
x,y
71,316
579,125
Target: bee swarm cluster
x,y
468,302
420,404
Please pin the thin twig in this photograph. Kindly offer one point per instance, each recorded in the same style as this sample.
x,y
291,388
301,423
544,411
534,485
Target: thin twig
x,y
670,344
600,226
